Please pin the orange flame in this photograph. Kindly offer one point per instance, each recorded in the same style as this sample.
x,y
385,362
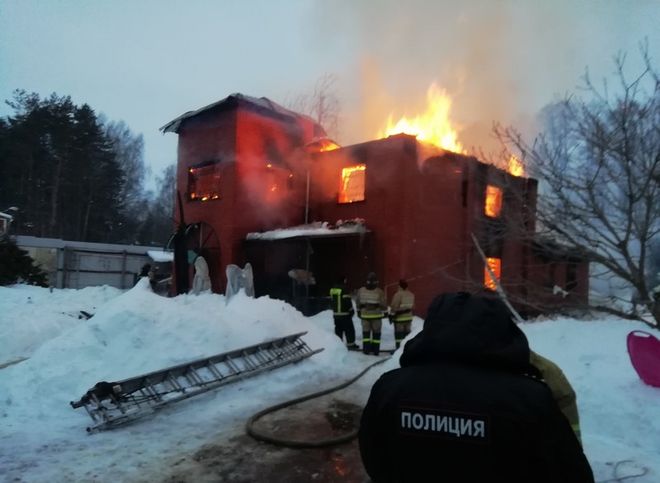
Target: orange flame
x,y
329,146
433,126
515,166
495,265
321,145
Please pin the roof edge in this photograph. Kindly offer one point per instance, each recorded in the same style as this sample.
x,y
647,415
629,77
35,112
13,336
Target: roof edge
x,y
261,103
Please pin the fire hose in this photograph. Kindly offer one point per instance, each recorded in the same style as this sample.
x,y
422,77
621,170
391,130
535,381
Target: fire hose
x,y
290,443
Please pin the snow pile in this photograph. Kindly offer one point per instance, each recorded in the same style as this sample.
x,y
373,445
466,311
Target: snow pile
x,y
43,439
619,415
31,315
134,333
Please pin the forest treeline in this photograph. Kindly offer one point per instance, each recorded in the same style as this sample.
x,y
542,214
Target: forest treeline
x,y
69,173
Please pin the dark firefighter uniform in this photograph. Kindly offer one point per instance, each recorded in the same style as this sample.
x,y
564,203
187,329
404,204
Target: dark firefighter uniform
x,y
467,406
342,312
401,309
371,306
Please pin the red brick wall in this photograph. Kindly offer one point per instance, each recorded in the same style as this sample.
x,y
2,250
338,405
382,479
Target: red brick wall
x,y
422,212
254,195
421,206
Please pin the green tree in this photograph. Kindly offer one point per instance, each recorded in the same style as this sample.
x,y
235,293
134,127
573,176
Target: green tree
x,y
66,171
16,266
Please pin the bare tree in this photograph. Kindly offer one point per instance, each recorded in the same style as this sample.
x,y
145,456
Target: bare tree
x,y
129,153
158,222
598,164
322,104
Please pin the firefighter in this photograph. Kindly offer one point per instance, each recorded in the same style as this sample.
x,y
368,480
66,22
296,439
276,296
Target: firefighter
x,y
561,389
467,405
342,313
401,312
372,307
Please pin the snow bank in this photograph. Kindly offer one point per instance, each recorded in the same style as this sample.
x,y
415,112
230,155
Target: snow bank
x,y
619,414
43,439
31,315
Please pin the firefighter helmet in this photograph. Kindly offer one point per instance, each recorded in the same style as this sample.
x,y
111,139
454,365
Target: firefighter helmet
x,y
372,280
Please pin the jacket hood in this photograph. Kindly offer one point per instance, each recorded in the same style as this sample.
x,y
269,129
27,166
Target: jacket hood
x,y
471,329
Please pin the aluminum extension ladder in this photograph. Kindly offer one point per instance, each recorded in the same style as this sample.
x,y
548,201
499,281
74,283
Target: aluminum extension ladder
x,y
110,404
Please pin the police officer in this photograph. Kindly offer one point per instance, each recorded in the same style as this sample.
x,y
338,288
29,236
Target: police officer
x,y
401,313
372,307
467,405
342,312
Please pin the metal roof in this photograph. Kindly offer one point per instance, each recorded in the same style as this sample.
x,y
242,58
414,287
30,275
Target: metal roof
x,y
231,101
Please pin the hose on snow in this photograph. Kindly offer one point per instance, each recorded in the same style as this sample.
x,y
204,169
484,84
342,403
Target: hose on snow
x,y
290,443
618,478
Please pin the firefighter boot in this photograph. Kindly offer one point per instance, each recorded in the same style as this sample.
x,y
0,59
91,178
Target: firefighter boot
x,y
375,344
399,335
366,342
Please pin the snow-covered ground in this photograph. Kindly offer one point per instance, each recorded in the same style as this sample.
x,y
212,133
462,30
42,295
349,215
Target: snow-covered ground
x,y
43,439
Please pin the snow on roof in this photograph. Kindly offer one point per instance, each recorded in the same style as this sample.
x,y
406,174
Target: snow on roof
x,y
24,241
160,255
316,229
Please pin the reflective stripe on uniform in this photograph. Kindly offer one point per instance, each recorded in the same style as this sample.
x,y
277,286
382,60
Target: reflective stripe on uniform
x,y
371,316
337,295
576,430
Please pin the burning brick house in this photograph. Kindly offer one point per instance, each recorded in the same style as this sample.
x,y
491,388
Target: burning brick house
x,y
248,168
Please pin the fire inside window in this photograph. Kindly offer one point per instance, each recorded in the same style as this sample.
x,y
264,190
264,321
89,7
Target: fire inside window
x,y
495,265
351,188
204,182
493,205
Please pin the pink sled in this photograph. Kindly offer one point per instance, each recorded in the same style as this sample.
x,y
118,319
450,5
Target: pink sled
x,y
644,351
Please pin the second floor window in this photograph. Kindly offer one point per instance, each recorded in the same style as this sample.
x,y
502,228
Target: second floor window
x,y
204,181
351,188
495,265
493,204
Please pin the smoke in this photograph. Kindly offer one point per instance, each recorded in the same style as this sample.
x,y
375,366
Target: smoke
x,y
499,61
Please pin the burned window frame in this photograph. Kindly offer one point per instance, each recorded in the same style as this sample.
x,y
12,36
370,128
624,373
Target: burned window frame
x,y
341,195
488,281
192,188
277,177
500,201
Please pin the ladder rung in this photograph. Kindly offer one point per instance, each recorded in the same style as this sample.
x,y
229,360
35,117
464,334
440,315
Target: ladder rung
x,y
234,368
214,370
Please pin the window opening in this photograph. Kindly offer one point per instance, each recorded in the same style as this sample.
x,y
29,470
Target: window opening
x,y
495,265
571,276
493,205
351,188
204,181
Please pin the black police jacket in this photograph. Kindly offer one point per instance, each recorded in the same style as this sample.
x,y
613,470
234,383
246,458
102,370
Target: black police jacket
x,y
466,406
